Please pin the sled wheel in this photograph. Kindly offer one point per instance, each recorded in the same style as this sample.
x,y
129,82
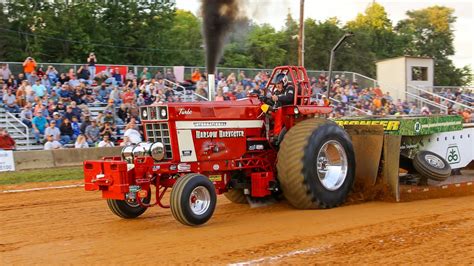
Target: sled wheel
x,y
193,199
431,166
316,164
128,209
236,196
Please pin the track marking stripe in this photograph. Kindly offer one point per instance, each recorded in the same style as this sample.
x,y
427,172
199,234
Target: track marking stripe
x,y
41,188
278,257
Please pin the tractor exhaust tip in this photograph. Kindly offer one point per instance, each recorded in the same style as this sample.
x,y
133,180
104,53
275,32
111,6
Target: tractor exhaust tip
x,y
211,86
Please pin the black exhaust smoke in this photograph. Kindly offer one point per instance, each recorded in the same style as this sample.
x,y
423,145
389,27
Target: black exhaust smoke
x,y
218,18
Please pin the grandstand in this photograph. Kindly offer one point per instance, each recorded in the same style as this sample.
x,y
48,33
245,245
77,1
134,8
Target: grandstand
x,y
352,94
23,135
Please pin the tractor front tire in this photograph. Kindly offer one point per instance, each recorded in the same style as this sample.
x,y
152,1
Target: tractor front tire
x,y
236,196
128,210
193,199
316,164
431,165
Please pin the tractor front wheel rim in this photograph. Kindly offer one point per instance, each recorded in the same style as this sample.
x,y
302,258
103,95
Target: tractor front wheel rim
x,y
200,200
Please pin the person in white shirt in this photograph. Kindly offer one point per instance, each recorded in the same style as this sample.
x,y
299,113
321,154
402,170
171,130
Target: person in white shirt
x,y
132,134
126,142
52,144
106,142
52,130
5,72
81,142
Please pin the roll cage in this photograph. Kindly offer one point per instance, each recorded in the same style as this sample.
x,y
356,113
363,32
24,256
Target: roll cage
x,y
298,77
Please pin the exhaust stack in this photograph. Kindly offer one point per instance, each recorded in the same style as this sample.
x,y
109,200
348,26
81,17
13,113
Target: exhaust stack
x,y
211,86
219,17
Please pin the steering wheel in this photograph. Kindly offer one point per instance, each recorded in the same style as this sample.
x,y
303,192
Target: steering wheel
x,y
266,100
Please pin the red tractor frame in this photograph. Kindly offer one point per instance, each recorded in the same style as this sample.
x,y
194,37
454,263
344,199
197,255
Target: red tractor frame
x,y
202,149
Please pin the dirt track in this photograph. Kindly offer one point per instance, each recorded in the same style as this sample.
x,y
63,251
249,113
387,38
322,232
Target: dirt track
x,y
74,226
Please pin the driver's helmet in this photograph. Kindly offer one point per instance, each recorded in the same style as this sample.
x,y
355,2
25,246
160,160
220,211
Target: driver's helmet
x,y
281,78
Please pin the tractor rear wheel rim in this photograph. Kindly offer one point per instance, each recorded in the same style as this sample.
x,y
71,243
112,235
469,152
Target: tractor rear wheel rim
x,y
199,200
132,203
434,161
332,165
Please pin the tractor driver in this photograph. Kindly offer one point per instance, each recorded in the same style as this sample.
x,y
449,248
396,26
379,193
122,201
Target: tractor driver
x,y
284,92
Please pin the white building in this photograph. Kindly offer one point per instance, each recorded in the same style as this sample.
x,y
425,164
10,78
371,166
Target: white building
x,y
395,75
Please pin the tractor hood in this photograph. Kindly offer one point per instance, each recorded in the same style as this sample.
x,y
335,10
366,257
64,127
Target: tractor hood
x,y
248,109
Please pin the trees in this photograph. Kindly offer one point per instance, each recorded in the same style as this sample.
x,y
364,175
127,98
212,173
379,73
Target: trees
x,y
264,44
320,37
426,32
377,27
7,39
236,55
290,40
429,32
126,32
236,50
155,33
184,35
354,55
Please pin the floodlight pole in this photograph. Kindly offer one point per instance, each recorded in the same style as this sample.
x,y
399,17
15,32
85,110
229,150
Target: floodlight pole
x,y
333,51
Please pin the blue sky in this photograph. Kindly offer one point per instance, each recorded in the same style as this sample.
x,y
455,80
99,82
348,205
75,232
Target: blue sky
x,y
274,12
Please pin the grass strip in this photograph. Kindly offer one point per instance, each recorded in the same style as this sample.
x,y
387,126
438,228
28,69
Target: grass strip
x,y
41,175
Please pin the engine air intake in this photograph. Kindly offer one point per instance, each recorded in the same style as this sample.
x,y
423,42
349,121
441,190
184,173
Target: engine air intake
x,y
159,132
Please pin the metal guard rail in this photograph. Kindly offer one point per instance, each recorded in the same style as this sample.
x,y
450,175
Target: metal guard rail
x,y
350,106
441,97
451,87
184,89
424,100
188,70
27,134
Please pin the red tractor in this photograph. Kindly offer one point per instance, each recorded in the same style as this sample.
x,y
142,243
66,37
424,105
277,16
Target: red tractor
x,y
243,149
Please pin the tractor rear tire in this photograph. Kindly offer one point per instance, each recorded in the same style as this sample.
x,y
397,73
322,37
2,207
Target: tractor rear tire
x,y
128,210
432,166
193,199
236,196
309,152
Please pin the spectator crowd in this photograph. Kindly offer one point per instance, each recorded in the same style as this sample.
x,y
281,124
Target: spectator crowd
x,y
373,101
56,106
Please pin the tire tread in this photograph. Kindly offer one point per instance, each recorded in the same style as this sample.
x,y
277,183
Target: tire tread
x,y
422,168
176,194
117,209
236,196
290,164
176,197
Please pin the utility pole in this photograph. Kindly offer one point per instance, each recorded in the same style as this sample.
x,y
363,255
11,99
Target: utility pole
x,y
301,36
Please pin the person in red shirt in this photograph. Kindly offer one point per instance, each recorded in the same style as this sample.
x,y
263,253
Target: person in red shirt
x,y
128,96
378,92
6,142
